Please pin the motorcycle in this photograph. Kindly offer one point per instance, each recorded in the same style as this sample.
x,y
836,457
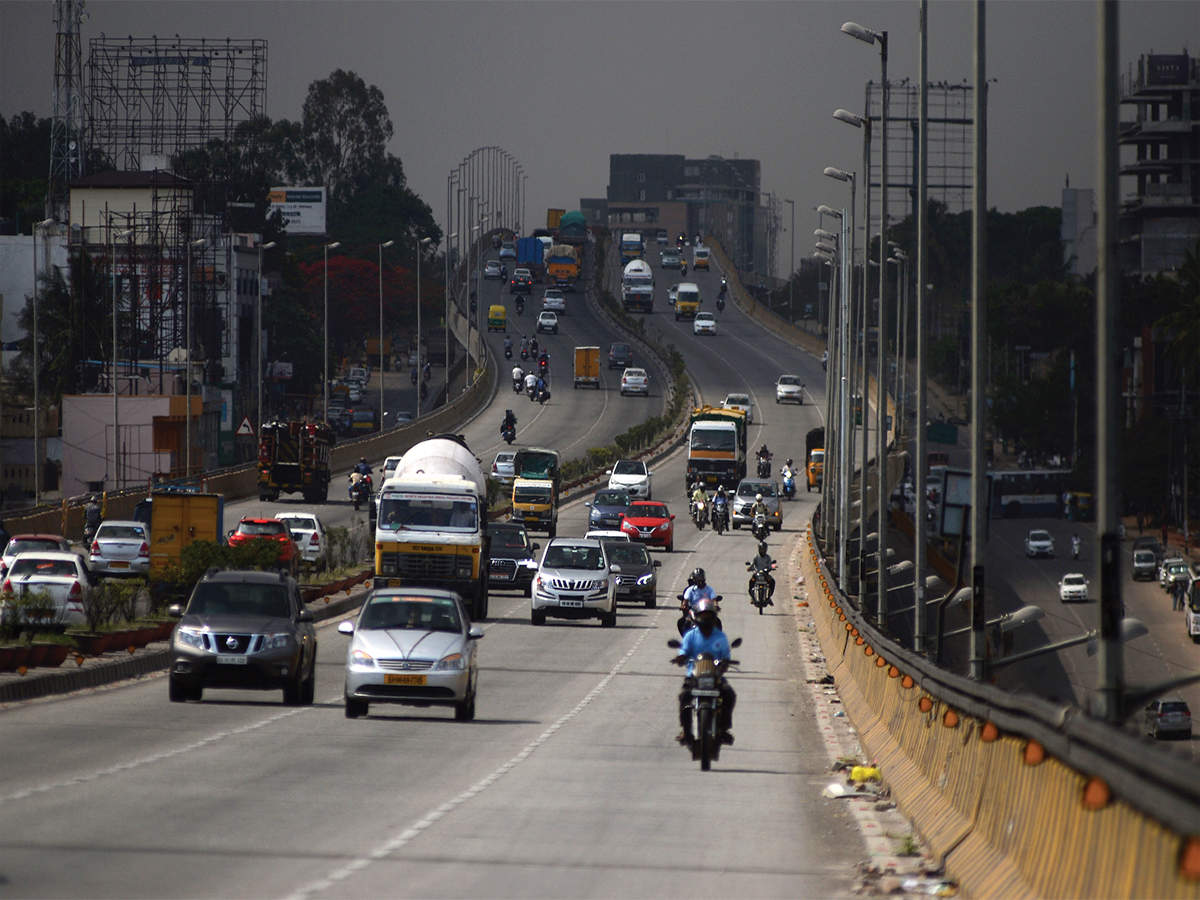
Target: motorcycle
x,y
508,351
520,304
789,484
524,352
687,621
543,396
720,304
532,391
704,702
543,367
760,588
720,515
764,466
518,384
760,529
508,432
360,489
699,514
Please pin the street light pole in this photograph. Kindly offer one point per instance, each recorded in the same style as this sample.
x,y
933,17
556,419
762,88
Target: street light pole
x,y
381,405
421,242
920,449
37,365
325,356
187,428
792,272
270,245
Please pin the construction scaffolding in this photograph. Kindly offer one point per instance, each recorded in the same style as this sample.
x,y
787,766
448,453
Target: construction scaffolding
x,y
152,98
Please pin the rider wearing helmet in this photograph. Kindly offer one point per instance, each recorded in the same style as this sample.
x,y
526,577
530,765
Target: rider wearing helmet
x,y
363,467
510,420
699,589
762,563
760,506
707,638
699,495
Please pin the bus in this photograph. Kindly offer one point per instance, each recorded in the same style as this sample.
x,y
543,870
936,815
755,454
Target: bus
x,y
1024,493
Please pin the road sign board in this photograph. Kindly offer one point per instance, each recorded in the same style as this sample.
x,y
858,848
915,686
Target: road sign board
x,y
245,428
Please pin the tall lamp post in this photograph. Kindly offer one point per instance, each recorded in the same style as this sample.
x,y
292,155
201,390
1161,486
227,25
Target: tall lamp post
x,y
112,247
381,246
270,245
37,364
333,245
792,270
187,378
421,242
881,38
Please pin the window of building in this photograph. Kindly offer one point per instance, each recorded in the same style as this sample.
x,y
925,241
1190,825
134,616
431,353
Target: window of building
x,y
642,194
641,178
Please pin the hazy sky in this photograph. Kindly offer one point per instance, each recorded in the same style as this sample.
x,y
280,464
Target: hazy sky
x,y
561,85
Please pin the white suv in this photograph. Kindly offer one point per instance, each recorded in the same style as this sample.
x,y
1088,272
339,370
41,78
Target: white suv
x,y
575,581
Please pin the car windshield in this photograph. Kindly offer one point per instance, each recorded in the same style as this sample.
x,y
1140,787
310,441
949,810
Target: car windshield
x,y
788,379
611,498
1074,579
648,511
300,522
1143,556
417,613
714,439
1039,535
428,512
628,553
504,459
629,467
635,373
214,598
738,400
531,494
750,488
536,464
618,349
704,317
131,532
22,545
35,565
508,538
574,556
1177,706
258,528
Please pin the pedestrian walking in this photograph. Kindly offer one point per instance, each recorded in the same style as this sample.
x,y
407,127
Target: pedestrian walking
x,y
1178,590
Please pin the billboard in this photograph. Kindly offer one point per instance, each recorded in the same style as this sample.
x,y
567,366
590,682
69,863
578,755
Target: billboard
x,y
303,208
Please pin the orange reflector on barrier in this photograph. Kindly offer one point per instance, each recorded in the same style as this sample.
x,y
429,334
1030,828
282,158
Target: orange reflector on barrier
x,y
989,733
859,641
854,631
870,651
950,719
907,682
893,672
1189,859
880,662
925,704
1035,754
1096,794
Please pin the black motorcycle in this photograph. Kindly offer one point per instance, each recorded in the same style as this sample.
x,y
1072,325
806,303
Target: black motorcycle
x,y
524,353
687,621
760,587
360,491
720,304
760,529
508,352
520,305
518,385
543,395
508,432
704,702
764,467
720,516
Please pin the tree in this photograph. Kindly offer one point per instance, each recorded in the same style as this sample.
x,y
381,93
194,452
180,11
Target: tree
x,y
346,129
25,167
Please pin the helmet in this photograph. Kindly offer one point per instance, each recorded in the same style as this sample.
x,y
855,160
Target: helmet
x,y
758,498
721,489
762,548
789,461
704,606
698,576
362,459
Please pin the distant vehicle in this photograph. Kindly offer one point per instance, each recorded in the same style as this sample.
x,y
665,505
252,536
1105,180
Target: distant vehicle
x,y
255,529
547,321
511,558
1144,565
1152,544
607,534
521,282
638,581
308,532
699,257
788,389
120,548
1073,586
502,466
62,577
1168,716
606,508
687,300
704,323
635,381
1172,571
631,476
672,294
491,270
660,236
23,543
670,259
1038,542
620,356
650,522
429,630
389,465
508,250
574,581
555,300
743,502
742,402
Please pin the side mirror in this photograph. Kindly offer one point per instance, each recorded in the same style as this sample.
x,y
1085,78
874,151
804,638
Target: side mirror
x,y
229,533
674,644
608,471
672,516
175,610
305,616
657,563
346,627
615,568
587,503
474,633
736,642
535,546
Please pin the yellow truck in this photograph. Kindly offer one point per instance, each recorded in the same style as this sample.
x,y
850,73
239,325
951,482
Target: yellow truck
x,y
177,520
587,366
534,504
687,300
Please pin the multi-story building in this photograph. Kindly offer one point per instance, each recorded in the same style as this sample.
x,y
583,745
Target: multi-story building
x,y
1160,219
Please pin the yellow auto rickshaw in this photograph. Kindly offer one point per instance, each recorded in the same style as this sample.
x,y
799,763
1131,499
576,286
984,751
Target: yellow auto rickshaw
x,y
497,317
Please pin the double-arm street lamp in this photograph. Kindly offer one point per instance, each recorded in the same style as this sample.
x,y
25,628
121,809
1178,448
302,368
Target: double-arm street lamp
x,y
270,245
381,405
333,245
37,365
421,242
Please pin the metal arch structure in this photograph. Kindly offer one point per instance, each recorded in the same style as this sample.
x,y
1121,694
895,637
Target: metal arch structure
x,y
156,97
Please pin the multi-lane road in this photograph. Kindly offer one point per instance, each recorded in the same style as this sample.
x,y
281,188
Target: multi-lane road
x,y
567,784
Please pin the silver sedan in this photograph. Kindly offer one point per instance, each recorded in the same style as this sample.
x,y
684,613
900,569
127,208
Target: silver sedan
x,y
120,548
412,646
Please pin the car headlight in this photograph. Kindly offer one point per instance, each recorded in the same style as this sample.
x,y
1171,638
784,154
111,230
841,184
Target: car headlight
x,y
646,579
453,662
362,658
277,641
664,526
192,637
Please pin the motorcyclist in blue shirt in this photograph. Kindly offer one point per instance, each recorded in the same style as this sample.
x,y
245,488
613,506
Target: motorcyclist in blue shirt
x,y
706,638
363,467
698,589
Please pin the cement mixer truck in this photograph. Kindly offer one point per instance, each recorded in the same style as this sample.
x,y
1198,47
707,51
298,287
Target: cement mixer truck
x,y
431,527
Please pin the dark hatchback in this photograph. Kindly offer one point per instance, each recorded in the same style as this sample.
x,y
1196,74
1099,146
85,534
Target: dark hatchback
x,y
606,509
244,630
511,560
620,356
638,581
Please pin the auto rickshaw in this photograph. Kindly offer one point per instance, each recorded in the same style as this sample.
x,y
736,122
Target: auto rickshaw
x,y
497,318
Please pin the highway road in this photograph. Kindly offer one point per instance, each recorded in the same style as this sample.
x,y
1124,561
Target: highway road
x,y
567,784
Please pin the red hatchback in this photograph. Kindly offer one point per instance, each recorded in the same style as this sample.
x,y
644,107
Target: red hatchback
x,y
250,529
649,522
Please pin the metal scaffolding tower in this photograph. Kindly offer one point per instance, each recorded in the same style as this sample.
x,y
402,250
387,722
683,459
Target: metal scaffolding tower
x,y
67,126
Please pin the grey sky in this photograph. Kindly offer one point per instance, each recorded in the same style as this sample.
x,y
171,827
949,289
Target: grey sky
x,y
561,85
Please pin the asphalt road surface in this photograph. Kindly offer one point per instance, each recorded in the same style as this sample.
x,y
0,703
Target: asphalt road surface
x,y
568,784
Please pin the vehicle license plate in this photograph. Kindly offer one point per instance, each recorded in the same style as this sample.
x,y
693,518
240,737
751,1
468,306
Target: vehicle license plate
x,y
568,602
231,659
696,692
118,564
404,679
395,582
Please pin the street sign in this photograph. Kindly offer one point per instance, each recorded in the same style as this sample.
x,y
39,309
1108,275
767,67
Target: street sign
x,y
245,428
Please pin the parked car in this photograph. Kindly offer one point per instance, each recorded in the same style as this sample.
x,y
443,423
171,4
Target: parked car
x,y
788,389
1144,565
631,476
1168,569
413,646
743,502
120,548
704,323
23,543
389,466
555,300
244,629
511,560
575,581
1038,542
508,250
308,532
620,356
1073,586
1168,716
638,581
252,529
1145,542
742,402
651,523
502,466
491,270
635,381
547,321
607,507
61,577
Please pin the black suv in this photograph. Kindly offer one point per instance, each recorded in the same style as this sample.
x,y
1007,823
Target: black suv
x,y
244,630
638,581
620,356
511,559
